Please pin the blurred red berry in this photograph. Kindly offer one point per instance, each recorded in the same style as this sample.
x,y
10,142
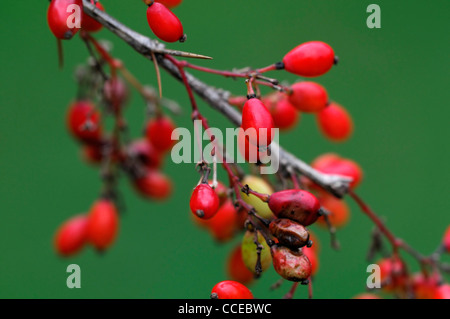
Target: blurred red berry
x,y
71,236
236,268
90,24
153,184
83,121
159,133
308,97
335,122
103,224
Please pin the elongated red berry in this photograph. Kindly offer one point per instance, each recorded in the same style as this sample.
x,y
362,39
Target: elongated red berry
x,y
292,265
103,224
309,59
159,133
230,289
83,121
308,97
71,236
335,122
89,24
259,123
164,23
154,185
64,18
285,115
170,3
204,201
296,204
236,268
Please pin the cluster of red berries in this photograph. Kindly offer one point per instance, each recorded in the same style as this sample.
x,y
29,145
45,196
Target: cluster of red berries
x,y
309,59
141,159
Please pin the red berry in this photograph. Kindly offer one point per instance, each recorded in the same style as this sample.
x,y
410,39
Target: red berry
x,y
103,224
425,287
71,236
296,204
83,121
446,240
312,257
223,224
289,264
164,23
335,122
92,153
170,3
153,184
339,211
221,191
257,119
204,201
443,292
236,268
308,97
60,18
340,166
89,24
392,274
284,114
309,59
159,133
324,160
145,153
229,289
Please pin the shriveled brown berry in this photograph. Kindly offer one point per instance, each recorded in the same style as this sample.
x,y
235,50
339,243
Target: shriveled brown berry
x,y
291,265
289,233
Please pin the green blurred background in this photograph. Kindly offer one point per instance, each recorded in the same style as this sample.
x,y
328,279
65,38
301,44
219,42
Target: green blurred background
x,y
393,80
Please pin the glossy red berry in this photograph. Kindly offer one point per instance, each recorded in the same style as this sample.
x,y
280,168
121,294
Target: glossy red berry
x,y
338,209
103,224
89,24
154,185
159,133
290,264
443,292
144,152
71,236
335,122
446,240
204,201
230,289
236,268
170,3
295,204
164,23
259,123
62,18
308,97
285,116
83,121
309,59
